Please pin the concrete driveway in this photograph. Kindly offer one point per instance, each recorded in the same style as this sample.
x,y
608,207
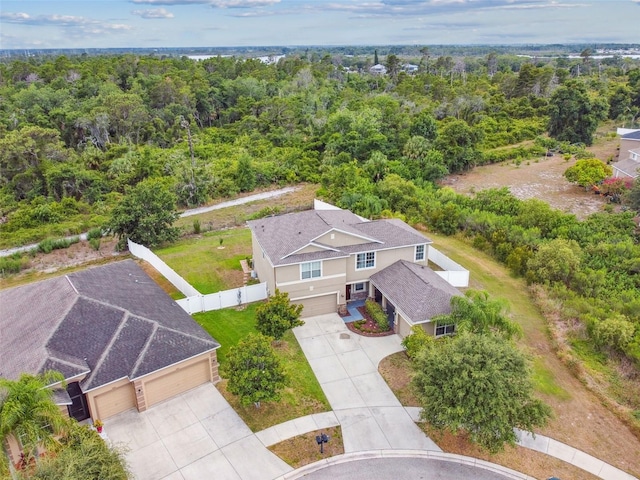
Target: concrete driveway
x,y
193,436
346,365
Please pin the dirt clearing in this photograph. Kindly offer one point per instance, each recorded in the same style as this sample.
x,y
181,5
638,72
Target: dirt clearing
x,y
540,178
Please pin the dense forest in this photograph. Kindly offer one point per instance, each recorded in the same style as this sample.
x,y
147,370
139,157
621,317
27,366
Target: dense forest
x,y
81,134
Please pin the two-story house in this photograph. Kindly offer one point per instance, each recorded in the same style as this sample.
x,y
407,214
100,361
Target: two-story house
x,y
326,258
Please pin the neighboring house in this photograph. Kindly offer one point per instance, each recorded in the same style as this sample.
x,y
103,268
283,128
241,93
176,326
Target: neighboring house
x,y
378,69
326,258
410,68
629,156
119,340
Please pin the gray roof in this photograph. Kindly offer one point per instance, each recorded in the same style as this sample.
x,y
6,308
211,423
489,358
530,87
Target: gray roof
x,y
416,290
281,236
632,135
628,167
111,322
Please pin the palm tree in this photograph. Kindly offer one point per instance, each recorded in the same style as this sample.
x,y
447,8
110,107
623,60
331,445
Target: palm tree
x,y
477,313
28,412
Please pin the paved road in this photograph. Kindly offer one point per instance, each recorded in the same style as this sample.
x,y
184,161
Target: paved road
x,y
405,468
186,213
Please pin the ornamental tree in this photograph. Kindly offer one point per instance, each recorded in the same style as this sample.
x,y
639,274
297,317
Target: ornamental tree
x,y
255,372
277,315
587,172
480,385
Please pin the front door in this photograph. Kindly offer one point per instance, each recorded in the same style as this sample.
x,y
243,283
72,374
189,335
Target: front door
x,y
348,292
391,314
78,408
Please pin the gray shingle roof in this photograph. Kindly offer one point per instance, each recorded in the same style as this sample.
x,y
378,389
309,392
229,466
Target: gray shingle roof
x,y
632,135
628,166
113,321
416,290
282,235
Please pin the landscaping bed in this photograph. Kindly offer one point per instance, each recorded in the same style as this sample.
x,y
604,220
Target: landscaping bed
x,y
368,327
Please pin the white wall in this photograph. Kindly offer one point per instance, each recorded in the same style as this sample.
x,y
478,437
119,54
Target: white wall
x,y
454,273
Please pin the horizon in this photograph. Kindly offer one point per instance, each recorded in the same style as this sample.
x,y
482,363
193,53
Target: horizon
x,y
133,24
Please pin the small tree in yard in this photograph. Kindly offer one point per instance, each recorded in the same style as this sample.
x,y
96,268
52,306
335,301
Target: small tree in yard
x,y
255,372
587,172
478,384
278,315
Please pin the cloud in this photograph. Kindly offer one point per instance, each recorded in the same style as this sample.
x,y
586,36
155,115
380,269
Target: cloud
x,y
75,24
153,13
171,2
242,3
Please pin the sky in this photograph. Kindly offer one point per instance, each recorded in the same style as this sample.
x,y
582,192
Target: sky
x,y
27,24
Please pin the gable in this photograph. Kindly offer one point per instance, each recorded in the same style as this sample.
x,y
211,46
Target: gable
x,y
336,238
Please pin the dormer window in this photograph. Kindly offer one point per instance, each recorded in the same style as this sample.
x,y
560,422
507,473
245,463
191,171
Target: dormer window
x,y
419,253
365,260
310,270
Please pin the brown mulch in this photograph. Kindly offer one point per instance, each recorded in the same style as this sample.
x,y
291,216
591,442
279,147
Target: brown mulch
x,y
370,327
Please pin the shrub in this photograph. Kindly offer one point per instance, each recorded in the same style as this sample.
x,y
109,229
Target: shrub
x,y
616,332
95,243
50,244
196,226
417,341
94,233
12,264
377,314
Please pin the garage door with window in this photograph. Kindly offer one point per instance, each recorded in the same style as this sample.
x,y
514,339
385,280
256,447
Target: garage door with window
x,y
178,381
318,305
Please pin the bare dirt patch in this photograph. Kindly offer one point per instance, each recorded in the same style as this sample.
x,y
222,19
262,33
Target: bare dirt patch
x,y
540,178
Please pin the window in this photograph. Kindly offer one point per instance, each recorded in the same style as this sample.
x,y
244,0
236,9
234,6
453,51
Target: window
x,y
365,260
419,252
358,287
447,329
310,270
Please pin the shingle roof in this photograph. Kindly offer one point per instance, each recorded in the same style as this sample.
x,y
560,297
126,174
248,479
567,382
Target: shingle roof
x,y
632,135
416,290
628,167
282,235
113,321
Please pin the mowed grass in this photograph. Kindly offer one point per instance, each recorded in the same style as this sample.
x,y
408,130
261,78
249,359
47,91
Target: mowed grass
x,y
208,265
302,395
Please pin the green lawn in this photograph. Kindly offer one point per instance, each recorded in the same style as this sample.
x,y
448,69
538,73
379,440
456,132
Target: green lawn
x,y
302,396
206,266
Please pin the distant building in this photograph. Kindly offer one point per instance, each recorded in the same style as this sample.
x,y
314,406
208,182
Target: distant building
x,y
378,70
410,68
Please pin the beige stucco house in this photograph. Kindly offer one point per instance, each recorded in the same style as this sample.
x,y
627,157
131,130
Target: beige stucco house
x,y
119,340
326,258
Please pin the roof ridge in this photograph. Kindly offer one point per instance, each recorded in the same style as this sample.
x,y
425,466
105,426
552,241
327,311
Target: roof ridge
x,y
107,349
143,352
58,356
54,330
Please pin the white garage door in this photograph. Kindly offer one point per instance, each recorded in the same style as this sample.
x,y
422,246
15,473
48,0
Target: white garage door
x,y
318,305
178,381
115,401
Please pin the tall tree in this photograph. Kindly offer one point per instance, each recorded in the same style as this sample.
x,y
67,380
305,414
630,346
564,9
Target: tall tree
x,y
254,370
573,116
28,413
277,315
146,214
480,385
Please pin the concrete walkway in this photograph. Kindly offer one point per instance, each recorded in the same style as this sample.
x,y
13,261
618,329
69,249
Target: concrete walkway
x,y
346,366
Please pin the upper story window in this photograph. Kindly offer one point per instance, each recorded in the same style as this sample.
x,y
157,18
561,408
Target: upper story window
x,y
310,270
419,252
365,260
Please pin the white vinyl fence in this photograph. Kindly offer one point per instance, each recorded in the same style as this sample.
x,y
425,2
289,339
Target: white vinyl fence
x,y
195,301
454,273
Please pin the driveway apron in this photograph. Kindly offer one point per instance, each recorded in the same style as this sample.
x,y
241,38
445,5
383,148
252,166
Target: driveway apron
x,y
346,365
193,436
